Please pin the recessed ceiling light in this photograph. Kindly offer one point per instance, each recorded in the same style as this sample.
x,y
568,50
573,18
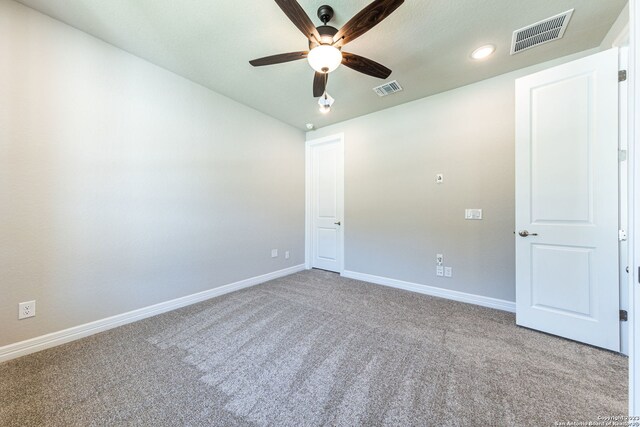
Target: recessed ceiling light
x,y
310,126
483,51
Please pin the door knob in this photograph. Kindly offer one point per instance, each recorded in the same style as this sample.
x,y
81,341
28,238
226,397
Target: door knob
x,y
337,223
525,233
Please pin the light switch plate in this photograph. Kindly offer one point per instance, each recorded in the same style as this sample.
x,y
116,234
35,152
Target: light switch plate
x,y
473,214
274,253
448,271
439,178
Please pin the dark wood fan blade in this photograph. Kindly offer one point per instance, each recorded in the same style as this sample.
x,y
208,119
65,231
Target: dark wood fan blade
x,y
319,84
278,59
365,20
300,19
365,65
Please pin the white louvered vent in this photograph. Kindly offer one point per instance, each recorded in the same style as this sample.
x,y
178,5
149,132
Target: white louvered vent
x,y
388,88
545,31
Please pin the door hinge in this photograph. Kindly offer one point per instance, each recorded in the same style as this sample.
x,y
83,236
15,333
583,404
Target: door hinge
x,y
623,315
622,75
622,235
622,155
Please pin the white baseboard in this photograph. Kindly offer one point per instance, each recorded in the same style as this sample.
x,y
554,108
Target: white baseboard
x,y
498,304
53,339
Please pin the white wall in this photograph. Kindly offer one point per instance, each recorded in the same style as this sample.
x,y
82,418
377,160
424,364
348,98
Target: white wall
x,y
397,219
123,185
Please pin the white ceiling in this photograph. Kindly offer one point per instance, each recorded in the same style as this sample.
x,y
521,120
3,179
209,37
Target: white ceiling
x,y
425,42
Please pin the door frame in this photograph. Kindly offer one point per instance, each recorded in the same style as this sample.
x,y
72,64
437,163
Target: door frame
x,y
623,185
308,222
634,206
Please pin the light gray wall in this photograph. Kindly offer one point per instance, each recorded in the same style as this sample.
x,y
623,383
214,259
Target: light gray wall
x,y
123,185
397,218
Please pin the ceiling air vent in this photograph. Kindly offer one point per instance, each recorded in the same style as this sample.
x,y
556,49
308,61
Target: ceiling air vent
x,y
388,88
545,31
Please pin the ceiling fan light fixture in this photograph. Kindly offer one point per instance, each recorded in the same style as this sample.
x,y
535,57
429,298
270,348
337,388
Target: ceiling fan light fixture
x,y
325,102
324,58
483,52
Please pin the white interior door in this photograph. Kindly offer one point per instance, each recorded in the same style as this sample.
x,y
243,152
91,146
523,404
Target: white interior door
x,y
567,200
327,204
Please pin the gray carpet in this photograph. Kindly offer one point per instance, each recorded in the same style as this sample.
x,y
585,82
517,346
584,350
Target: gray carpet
x,y
315,349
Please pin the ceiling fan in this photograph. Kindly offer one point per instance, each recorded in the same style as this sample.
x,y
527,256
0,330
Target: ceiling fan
x,y
325,42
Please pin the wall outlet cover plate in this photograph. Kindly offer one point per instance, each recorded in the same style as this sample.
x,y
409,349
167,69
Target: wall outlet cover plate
x,y
26,309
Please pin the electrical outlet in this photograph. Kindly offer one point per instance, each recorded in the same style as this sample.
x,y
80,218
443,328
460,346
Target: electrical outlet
x,y
439,259
274,253
286,255
448,271
440,271
26,309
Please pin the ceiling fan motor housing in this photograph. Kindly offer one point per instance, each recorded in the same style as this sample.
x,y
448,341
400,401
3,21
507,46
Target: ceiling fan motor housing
x,y
326,35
